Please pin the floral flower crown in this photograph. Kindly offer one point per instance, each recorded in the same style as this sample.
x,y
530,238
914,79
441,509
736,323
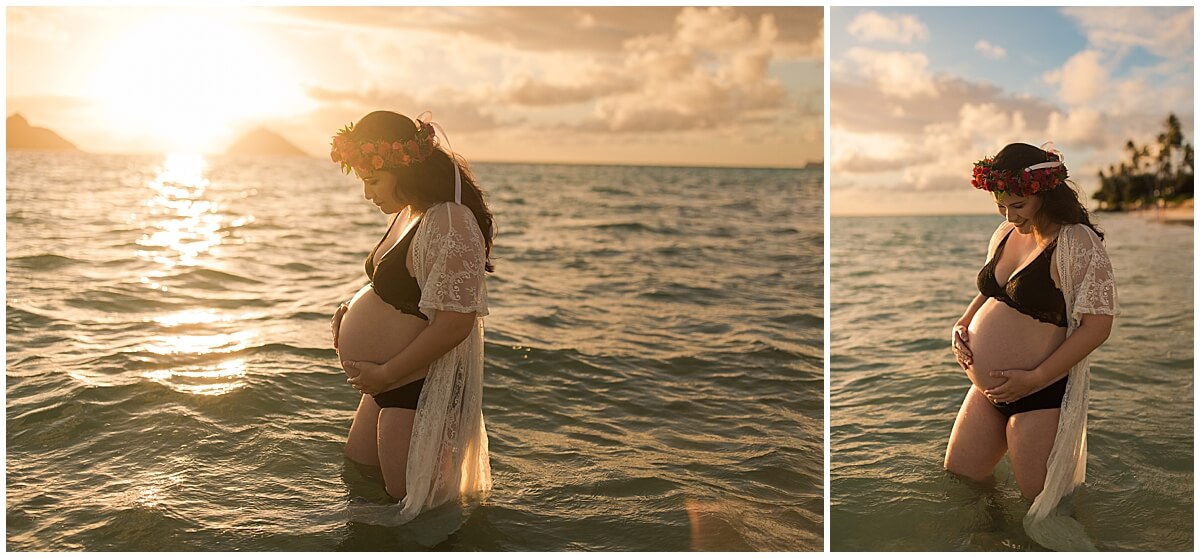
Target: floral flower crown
x,y
1026,182
364,156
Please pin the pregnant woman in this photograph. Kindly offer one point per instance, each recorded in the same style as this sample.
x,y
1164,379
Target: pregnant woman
x,y
1046,300
411,340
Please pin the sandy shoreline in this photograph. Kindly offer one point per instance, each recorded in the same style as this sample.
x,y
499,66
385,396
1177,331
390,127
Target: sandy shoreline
x,y
1181,214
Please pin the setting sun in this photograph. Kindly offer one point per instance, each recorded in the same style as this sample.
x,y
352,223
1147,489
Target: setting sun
x,y
186,79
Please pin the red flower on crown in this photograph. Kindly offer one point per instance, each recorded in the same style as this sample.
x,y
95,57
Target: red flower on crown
x,y
365,156
985,176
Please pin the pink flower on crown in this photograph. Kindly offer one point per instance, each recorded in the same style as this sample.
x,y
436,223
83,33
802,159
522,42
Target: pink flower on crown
x,y
377,162
368,148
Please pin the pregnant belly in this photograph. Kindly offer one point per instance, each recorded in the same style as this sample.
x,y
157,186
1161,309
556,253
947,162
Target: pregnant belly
x,y
372,330
1002,338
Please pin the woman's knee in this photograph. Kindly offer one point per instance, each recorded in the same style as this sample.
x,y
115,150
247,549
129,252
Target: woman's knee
x,y
397,492
360,441
963,469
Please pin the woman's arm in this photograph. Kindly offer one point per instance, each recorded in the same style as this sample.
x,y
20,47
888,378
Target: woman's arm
x,y
1092,332
445,332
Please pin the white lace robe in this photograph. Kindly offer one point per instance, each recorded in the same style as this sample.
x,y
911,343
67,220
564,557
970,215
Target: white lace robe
x,y
448,453
1088,287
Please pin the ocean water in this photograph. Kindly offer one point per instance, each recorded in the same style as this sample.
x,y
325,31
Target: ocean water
x,y
653,375
897,285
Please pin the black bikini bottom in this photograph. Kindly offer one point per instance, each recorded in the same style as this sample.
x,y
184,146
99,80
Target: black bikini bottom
x,y
1049,397
403,397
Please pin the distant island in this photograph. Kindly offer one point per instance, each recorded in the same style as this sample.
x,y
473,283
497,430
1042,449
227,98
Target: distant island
x,y
262,141
23,136
815,166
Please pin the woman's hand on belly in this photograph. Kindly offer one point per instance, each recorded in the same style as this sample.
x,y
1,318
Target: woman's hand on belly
x,y
959,346
1014,385
1003,339
366,377
336,323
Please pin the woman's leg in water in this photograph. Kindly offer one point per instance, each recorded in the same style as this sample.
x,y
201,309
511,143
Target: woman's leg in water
x,y
360,442
977,442
394,432
1030,438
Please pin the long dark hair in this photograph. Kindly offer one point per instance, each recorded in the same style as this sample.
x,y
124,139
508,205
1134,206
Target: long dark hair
x,y
431,181
1060,204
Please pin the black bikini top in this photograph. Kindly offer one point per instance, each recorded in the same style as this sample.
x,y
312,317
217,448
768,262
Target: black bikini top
x,y
391,280
1031,290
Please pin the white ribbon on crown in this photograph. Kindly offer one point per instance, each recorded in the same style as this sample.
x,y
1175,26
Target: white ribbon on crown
x,y
1048,147
427,118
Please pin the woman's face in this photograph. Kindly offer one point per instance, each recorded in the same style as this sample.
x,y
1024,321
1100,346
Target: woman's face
x,y
1021,211
379,187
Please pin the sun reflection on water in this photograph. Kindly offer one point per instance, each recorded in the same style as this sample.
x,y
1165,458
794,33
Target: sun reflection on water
x,y
203,344
188,317
183,227
226,377
190,222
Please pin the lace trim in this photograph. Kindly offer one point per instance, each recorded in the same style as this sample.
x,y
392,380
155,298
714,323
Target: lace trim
x,y
1088,285
454,258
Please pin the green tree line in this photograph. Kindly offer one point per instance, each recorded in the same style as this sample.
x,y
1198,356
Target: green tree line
x,y
1145,179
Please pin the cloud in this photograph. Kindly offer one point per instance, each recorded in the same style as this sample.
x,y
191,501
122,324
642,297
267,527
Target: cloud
x,y
714,27
1081,79
1129,92
897,74
859,106
1164,31
989,50
1081,127
710,67
896,124
679,80
41,24
453,109
526,91
864,164
554,29
874,26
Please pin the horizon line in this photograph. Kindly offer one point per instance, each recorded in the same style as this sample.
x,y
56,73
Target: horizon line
x,y
814,165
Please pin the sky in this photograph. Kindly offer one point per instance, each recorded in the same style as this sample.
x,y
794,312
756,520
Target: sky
x,y
676,85
917,95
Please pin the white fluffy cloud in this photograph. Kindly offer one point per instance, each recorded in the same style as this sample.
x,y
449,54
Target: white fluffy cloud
x,y
989,50
1081,79
897,74
1166,32
874,26
1080,127
712,70
901,125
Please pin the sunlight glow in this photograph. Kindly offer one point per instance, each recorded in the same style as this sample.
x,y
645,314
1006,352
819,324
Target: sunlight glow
x,y
191,226
226,377
186,78
202,344
188,317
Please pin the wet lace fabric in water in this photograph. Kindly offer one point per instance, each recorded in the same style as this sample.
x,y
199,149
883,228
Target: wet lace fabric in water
x,y
448,453
1088,287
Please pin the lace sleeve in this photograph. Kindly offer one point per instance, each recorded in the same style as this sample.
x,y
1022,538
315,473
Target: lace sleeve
x,y
1093,285
995,241
452,261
